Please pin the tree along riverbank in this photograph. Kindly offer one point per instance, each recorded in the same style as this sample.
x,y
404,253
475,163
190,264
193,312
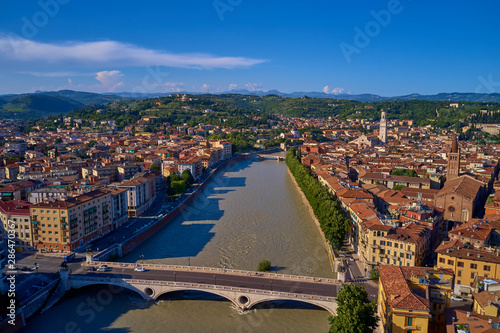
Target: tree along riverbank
x,y
326,209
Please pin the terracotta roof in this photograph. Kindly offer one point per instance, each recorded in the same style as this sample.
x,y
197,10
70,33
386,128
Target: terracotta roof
x,y
484,296
456,249
464,186
15,207
399,294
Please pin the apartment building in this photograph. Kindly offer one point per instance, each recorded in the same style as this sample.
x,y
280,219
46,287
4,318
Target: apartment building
x,y
468,263
139,194
66,225
192,164
119,206
18,212
413,299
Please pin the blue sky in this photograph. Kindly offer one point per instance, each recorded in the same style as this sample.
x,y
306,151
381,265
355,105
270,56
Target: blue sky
x,y
351,46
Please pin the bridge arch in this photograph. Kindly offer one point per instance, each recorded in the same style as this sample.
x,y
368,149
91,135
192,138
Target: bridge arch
x,y
282,299
112,288
211,291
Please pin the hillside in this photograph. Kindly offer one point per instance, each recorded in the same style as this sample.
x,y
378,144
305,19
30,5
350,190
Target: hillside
x,y
86,98
36,105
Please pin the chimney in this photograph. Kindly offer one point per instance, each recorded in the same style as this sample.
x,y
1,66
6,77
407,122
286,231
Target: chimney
x,y
479,255
468,254
468,313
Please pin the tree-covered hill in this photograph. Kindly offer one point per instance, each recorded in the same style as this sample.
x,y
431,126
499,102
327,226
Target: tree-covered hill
x,y
35,106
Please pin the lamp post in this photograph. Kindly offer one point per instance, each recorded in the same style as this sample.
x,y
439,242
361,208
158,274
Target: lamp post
x,y
271,285
175,277
215,280
189,261
142,258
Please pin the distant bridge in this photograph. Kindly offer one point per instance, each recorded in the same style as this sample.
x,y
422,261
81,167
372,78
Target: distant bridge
x,y
244,289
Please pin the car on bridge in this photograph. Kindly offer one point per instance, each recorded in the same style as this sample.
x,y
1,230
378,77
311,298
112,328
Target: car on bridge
x,y
103,268
140,269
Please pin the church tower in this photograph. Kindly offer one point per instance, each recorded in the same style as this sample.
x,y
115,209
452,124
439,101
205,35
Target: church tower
x,y
383,129
453,160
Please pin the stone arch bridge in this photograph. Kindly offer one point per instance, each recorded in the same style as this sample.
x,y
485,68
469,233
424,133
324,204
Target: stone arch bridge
x,y
244,289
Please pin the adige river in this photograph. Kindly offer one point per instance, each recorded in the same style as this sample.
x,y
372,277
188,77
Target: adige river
x,y
250,211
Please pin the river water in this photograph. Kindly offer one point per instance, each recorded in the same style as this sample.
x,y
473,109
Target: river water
x,y
250,211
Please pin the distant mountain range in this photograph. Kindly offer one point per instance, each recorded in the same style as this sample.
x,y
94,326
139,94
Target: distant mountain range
x,y
455,96
41,103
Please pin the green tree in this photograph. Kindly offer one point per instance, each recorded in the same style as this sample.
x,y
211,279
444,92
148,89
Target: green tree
x,y
374,274
187,177
155,167
405,172
397,187
264,266
178,186
355,313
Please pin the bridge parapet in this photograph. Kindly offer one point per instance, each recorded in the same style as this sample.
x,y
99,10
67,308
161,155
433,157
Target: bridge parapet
x,y
243,298
217,270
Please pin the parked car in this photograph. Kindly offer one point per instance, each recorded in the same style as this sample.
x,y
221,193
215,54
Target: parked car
x,y
91,269
140,269
457,298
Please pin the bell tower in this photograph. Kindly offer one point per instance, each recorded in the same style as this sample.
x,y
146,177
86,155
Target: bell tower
x,y
453,160
383,128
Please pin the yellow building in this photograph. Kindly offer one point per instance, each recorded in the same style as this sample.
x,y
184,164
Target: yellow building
x,y
403,246
66,225
413,299
487,303
467,264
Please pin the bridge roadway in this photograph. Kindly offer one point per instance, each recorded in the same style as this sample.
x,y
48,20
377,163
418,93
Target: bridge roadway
x,y
243,288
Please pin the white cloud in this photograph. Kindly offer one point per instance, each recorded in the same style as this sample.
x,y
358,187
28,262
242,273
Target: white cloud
x,y
110,80
233,86
56,74
106,53
326,90
253,86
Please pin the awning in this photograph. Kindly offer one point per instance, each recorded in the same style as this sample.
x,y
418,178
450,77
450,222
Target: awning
x,y
465,289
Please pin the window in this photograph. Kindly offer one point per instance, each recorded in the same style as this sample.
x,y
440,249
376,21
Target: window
x,y
473,266
41,211
410,321
441,260
382,242
396,245
459,281
409,248
487,268
34,210
55,211
401,254
389,243
374,242
460,263
459,273
408,256
472,275
450,262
